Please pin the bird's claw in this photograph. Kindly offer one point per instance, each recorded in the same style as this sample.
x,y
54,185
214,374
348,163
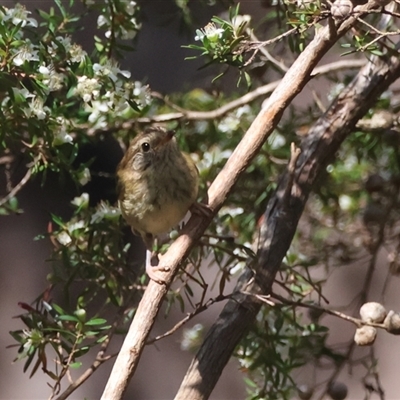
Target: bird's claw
x,y
155,272
201,209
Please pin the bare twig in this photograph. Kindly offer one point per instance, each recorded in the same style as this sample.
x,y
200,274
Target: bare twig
x,y
356,321
19,185
266,53
200,308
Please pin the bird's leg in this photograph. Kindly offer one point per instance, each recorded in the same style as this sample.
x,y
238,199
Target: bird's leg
x,y
152,260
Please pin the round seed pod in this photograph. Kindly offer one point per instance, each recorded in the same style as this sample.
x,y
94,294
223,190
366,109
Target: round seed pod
x,y
337,391
373,312
305,391
392,323
341,9
365,336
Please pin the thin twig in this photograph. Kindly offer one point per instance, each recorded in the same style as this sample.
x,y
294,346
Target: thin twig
x,y
19,186
266,53
199,308
356,321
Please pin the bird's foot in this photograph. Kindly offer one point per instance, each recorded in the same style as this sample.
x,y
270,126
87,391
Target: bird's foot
x,y
201,209
155,272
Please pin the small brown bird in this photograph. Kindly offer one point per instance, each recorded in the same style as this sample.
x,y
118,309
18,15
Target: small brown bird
x,y
157,184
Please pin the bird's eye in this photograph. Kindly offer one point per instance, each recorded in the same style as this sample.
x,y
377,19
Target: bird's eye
x,y
145,147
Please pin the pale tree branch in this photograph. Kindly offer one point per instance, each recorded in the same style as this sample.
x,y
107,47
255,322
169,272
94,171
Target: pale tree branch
x,y
198,383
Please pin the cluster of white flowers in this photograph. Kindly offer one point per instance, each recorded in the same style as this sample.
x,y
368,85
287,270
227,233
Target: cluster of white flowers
x,y
52,79
87,88
27,52
117,101
36,108
110,69
212,157
232,121
125,31
64,237
18,16
105,211
75,51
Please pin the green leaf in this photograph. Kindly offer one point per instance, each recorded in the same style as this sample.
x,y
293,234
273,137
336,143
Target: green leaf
x,y
96,321
75,365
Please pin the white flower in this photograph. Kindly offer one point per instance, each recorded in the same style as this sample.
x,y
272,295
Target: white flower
x,y
276,141
24,93
102,20
64,239
87,88
19,15
142,93
82,201
131,7
77,54
97,111
241,21
84,177
105,211
61,134
73,226
65,41
211,157
229,123
210,31
127,35
25,53
52,79
62,137
110,69
116,101
36,108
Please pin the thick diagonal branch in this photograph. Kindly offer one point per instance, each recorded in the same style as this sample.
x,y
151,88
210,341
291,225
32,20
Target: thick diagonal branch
x,y
280,222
